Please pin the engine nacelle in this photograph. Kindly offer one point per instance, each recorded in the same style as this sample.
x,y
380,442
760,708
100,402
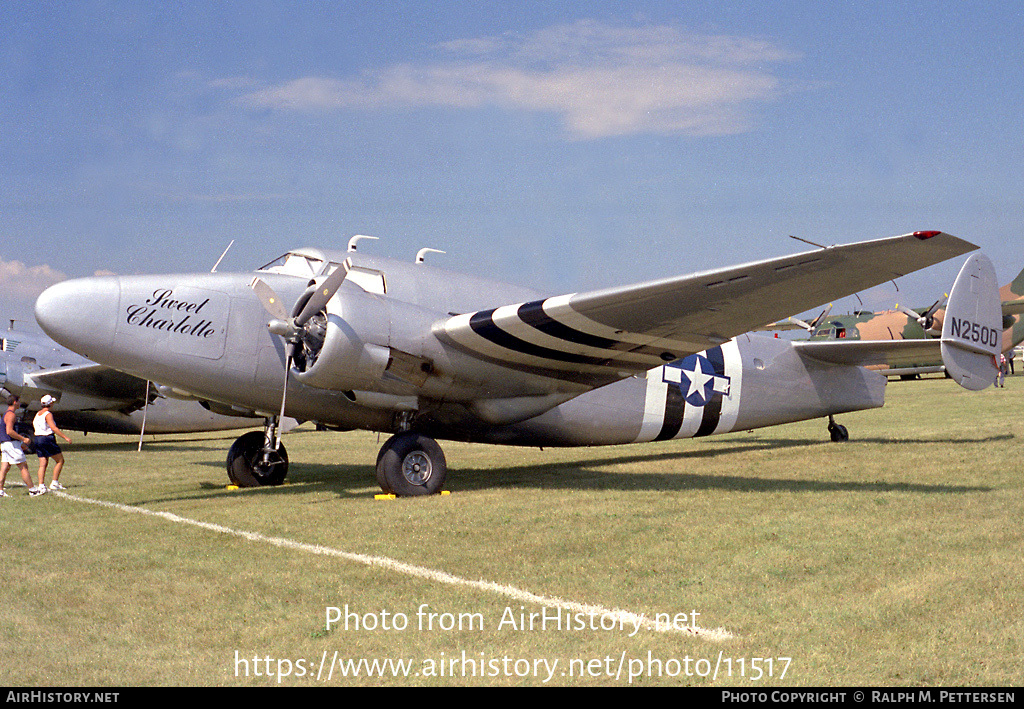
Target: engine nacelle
x,y
351,349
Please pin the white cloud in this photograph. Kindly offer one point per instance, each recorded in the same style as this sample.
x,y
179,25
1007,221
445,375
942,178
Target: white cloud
x,y
601,80
21,282
20,285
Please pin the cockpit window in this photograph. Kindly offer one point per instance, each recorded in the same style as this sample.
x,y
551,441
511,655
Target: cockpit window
x,y
295,265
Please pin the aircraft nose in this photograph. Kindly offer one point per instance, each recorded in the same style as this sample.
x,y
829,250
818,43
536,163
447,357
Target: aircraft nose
x,y
81,314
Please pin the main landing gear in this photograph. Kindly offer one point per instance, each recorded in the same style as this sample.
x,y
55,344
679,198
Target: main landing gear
x,y
408,464
837,431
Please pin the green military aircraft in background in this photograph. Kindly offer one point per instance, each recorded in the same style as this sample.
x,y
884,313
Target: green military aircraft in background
x,y
903,323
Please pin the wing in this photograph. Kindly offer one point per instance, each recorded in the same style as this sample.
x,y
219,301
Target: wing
x,y
625,330
94,380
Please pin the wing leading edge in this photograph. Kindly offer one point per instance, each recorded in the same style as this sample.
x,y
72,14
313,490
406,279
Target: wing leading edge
x,y
630,329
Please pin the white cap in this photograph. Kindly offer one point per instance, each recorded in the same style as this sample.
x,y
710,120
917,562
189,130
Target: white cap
x,y
47,400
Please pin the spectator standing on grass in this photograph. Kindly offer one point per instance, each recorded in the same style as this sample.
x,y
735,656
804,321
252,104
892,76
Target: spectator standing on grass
x,y
46,446
1004,368
11,445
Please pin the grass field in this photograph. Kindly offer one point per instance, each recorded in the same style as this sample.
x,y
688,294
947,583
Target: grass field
x,y
894,559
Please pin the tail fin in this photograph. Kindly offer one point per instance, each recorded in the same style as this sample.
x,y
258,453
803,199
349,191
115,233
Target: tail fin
x,y
972,327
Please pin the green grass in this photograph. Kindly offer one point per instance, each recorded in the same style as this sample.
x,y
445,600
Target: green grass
x,y
892,559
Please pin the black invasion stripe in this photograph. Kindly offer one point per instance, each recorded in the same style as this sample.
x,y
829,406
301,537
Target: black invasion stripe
x,y
673,421
533,314
712,413
482,324
711,416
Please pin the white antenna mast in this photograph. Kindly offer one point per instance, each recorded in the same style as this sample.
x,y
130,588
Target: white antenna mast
x,y
355,239
421,254
214,269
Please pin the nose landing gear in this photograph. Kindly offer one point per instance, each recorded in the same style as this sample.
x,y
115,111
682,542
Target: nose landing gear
x,y
252,462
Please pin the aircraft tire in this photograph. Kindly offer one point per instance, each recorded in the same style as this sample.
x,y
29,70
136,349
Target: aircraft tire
x,y
838,433
411,464
245,468
381,478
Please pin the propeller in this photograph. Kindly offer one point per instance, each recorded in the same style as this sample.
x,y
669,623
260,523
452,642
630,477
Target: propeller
x,y
926,319
813,324
792,323
293,329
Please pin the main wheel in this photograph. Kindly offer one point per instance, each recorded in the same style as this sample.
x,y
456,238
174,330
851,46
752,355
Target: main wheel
x,y
245,462
411,464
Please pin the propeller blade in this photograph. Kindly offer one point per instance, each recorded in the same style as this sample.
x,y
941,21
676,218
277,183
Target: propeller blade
x,y
269,298
912,314
284,393
322,294
821,318
145,412
940,303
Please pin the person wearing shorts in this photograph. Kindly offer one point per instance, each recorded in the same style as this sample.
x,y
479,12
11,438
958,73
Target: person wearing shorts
x,y
10,445
46,446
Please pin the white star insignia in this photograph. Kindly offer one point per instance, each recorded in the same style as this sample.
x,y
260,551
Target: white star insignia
x,y
698,379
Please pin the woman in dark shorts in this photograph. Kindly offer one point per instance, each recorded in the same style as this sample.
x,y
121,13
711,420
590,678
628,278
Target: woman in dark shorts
x,y
46,433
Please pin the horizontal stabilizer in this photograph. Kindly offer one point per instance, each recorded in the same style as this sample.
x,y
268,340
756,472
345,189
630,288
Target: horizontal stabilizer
x,y
972,330
866,353
1013,307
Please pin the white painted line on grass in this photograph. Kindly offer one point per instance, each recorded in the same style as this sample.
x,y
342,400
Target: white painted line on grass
x,y
626,618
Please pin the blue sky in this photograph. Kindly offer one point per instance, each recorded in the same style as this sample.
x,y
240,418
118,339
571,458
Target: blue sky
x,y
565,146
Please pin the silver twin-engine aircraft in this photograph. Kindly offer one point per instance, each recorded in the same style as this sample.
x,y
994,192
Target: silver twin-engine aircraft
x,y
357,341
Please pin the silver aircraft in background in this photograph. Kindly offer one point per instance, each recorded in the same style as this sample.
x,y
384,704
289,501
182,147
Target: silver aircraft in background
x,y
357,341
94,398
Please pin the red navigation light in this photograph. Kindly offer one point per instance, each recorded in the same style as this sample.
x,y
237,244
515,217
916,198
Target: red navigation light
x,y
922,235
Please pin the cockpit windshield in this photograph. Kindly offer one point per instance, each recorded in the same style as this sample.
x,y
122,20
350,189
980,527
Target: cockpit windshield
x,y
293,264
